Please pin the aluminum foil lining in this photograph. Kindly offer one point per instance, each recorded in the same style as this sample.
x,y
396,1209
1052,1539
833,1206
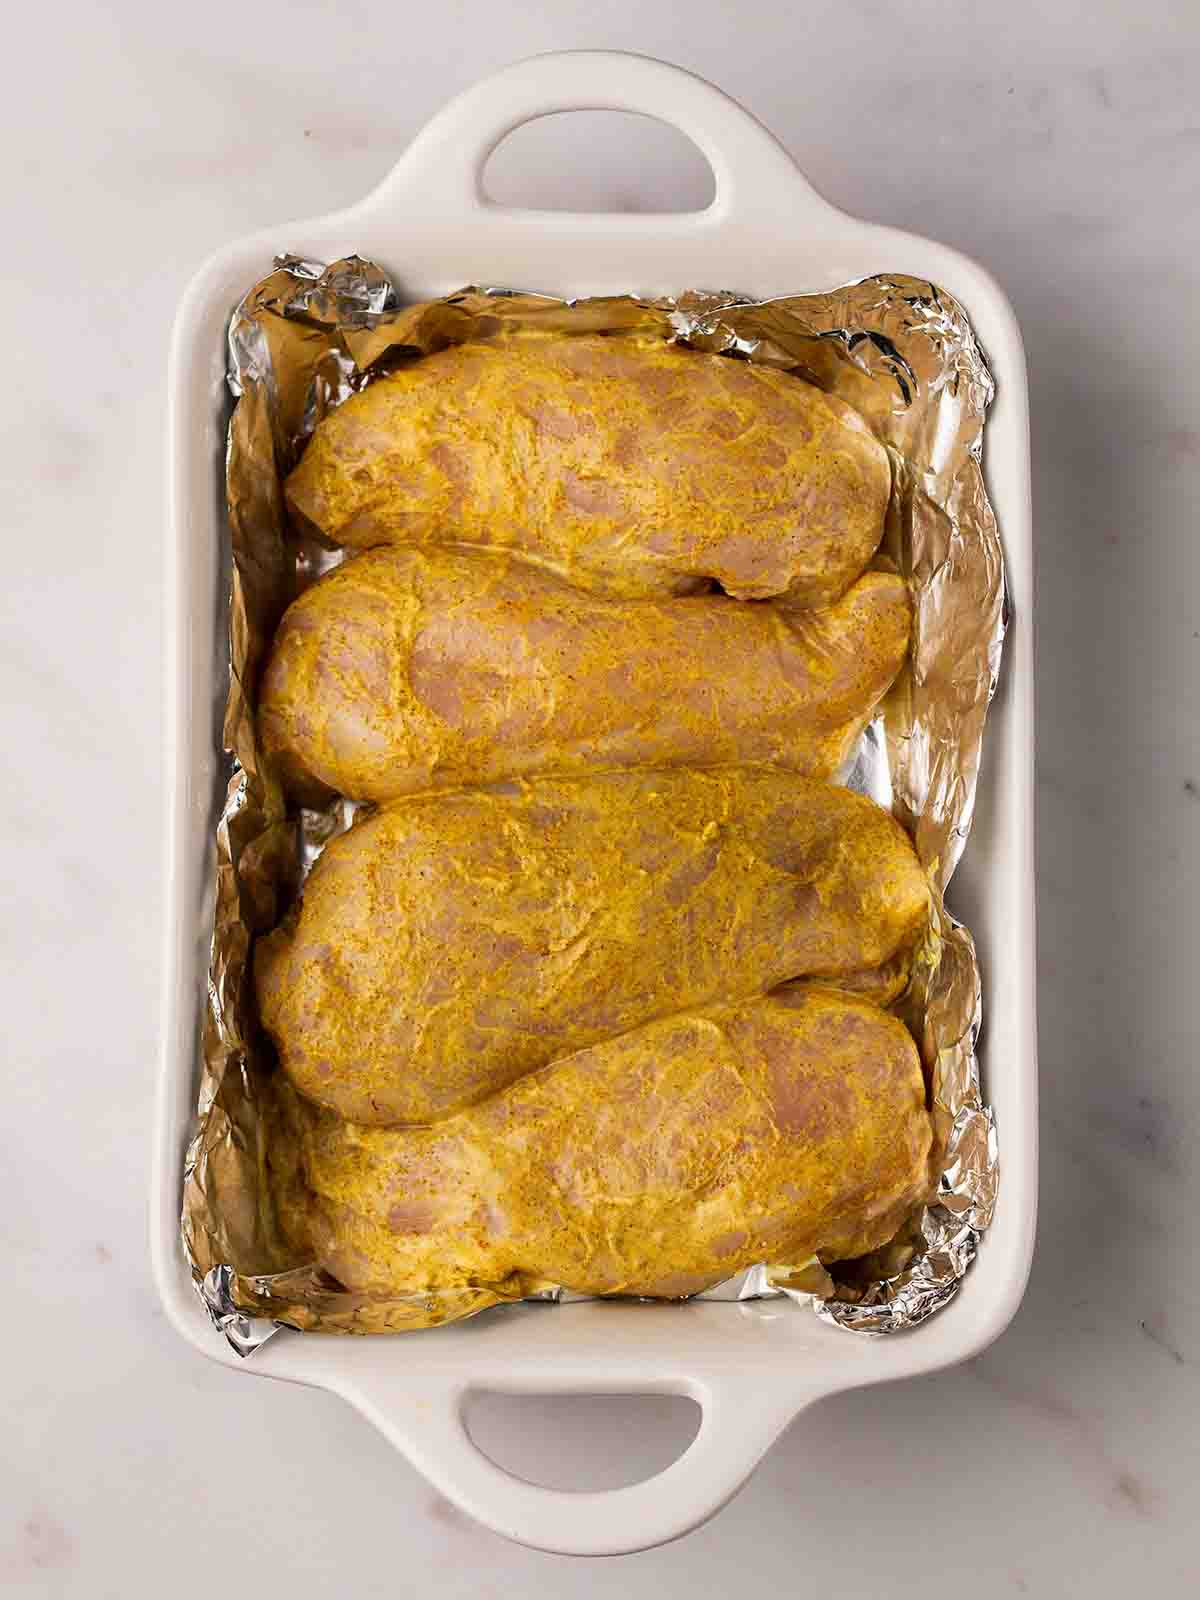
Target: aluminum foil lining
x,y
898,349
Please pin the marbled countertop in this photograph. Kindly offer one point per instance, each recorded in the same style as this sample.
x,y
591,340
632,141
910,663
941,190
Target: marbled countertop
x,y
1059,142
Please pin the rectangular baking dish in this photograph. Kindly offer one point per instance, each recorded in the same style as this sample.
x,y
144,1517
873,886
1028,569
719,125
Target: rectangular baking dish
x,y
751,1367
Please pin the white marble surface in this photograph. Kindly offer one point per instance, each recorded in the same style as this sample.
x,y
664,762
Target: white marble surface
x,y
1060,143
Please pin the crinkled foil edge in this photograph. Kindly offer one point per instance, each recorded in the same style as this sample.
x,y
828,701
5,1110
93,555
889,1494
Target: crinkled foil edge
x,y
903,353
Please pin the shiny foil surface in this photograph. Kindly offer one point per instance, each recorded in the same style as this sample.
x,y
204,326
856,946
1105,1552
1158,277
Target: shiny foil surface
x,y
901,351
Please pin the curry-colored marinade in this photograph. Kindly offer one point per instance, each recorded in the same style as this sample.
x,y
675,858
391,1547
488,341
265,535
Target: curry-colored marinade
x,y
405,670
452,943
628,465
655,1163
595,999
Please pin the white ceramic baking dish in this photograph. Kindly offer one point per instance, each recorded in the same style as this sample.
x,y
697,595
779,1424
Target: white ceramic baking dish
x,y
750,1367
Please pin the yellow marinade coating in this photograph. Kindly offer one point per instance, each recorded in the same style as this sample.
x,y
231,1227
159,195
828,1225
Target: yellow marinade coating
x,y
626,465
453,943
405,670
657,1163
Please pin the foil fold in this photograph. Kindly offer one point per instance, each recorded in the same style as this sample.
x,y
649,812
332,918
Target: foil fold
x,y
901,351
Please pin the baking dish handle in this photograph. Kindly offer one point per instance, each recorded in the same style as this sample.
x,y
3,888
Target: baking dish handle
x,y
441,172
740,1420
